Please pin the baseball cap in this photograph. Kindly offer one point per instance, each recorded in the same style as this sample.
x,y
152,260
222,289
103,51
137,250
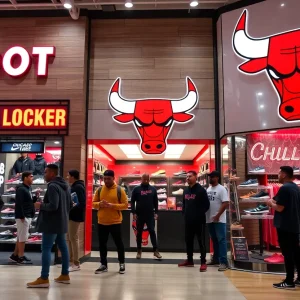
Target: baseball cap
x,y
214,174
110,173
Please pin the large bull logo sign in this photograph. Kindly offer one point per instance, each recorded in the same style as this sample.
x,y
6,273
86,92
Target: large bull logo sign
x,y
153,118
277,55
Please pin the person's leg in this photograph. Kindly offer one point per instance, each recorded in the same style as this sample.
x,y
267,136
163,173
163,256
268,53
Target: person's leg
x,y
189,240
296,249
116,233
21,249
74,240
200,232
213,236
103,232
69,234
150,222
220,229
139,232
47,243
286,245
16,251
62,246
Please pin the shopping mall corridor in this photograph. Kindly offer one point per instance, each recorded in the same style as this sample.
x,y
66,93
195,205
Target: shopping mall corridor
x,y
143,281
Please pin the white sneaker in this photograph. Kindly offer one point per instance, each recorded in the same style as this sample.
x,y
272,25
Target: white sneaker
x,y
178,192
74,268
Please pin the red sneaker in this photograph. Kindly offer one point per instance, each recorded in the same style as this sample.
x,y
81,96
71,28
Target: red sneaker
x,y
203,268
186,263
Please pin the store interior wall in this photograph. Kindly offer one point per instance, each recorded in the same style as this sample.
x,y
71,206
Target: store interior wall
x,y
65,78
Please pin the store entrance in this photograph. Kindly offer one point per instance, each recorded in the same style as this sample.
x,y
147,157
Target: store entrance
x,y
167,174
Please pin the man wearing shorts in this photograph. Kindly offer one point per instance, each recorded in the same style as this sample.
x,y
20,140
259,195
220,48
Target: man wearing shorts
x,y
24,212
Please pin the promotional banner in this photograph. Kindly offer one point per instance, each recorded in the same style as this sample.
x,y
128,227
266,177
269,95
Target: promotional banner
x,y
19,147
266,153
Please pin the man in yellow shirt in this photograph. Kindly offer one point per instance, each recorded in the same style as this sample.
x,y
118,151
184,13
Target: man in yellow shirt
x,y
110,200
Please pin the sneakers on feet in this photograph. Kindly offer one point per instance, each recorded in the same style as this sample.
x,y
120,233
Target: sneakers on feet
x,y
157,255
139,254
203,268
39,283
122,269
63,279
222,268
74,268
27,259
101,269
23,261
14,258
284,285
297,282
186,263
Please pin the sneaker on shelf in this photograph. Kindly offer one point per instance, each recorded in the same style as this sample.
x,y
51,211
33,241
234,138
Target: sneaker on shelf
x,y
157,255
203,268
152,182
11,202
186,263
8,211
12,240
65,279
38,181
159,173
250,182
36,234
259,169
8,224
249,195
74,268
275,259
284,285
261,195
14,258
39,283
162,196
222,268
161,183
8,217
296,169
161,190
136,182
162,203
180,173
296,181
9,192
260,209
179,182
37,190
34,239
7,232
236,225
122,269
178,192
101,269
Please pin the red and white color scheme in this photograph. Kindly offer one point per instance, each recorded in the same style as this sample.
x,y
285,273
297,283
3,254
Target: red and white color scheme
x,y
268,152
23,66
153,118
277,55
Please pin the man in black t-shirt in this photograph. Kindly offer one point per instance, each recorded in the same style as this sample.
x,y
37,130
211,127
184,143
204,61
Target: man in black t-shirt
x,y
287,222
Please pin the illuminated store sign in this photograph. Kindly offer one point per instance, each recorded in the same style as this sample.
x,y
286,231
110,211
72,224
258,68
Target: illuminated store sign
x,y
276,55
19,147
153,118
33,117
25,60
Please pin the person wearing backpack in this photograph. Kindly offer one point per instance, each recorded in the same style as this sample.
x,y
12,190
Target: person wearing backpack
x,y
110,200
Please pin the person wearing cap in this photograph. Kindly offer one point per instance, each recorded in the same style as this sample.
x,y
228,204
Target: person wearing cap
x,y
216,220
110,200
286,204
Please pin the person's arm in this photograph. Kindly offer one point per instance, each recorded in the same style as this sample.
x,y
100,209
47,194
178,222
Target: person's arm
x,y
20,202
53,196
124,202
80,191
279,202
224,206
205,204
155,202
133,201
183,203
96,200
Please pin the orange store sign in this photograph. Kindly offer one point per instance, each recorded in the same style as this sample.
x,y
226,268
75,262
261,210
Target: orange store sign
x,y
33,117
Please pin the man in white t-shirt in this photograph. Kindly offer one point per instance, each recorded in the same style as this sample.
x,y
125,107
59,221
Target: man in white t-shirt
x,y
216,220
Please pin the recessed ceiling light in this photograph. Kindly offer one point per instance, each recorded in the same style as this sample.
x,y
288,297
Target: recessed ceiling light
x,y
175,149
194,3
56,142
259,94
282,4
264,124
67,5
273,131
261,106
134,156
173,156
128,4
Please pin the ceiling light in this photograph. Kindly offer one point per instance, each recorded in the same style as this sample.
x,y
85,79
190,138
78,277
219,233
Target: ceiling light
x,y
130,149
282,5
264,124
100,153
56,142
194,3
67,4
175,149
261,106
173,156
134,156
128,4
273,131
259,94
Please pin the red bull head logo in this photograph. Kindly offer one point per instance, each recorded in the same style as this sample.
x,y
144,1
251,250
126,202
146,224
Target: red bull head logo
x,y
277,55
153,118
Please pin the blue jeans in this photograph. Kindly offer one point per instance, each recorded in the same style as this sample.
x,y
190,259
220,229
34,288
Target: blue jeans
x,y
217,233
47,243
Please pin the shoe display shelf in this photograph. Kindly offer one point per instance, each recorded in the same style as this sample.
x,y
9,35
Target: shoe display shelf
x,y
177,186
237,213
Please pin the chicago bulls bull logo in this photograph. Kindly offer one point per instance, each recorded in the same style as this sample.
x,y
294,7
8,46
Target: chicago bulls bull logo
x,y
153,118
277,55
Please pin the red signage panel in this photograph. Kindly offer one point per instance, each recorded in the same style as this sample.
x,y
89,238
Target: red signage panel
x,y
34,117
266,153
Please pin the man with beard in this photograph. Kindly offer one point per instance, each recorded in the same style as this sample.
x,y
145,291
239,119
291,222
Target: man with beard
x,y
144,207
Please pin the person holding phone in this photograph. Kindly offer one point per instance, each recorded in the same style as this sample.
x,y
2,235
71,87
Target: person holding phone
x,y
24,212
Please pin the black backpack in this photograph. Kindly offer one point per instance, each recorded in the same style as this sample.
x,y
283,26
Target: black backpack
x,y
118,192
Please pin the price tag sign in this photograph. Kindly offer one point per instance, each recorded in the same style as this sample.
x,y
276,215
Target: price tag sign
x,y
240,248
